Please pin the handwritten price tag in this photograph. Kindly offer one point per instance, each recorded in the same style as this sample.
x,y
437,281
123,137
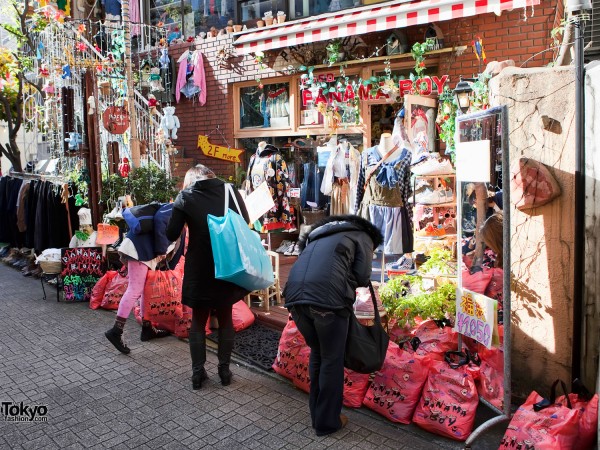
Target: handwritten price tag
x,y
107,234
476,316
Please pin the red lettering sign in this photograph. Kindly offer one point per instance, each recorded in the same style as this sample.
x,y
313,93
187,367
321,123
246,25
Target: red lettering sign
x,y
116,119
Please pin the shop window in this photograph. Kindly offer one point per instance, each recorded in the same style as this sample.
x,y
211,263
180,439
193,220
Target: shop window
x,y
306,8
191,17
327,97
266,107
252,10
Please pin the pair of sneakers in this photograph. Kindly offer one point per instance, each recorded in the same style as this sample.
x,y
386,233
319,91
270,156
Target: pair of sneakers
x,y
293,250
285,246
435,197
404,264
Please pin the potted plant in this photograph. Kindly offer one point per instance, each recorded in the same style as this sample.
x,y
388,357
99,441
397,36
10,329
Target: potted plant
x,y
268,18
335,52
280,16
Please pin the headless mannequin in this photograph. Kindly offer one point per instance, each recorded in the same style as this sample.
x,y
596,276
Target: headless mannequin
x,y
386,144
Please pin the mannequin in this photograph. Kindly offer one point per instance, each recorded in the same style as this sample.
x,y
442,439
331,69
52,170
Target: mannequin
x,y
85,236
386,144
268,165
341,178
383,191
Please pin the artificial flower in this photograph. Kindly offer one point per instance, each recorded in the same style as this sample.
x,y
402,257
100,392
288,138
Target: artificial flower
x,y
81,28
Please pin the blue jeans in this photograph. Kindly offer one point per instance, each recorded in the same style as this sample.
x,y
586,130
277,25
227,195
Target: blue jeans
x,y
325,332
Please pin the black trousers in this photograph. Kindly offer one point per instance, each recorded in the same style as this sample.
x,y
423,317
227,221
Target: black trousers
x,y
325,332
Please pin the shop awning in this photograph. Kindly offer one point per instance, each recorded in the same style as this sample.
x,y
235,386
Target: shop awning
x,y
367,20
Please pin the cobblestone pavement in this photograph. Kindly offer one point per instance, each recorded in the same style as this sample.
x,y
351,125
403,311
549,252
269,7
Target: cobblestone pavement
x,y
55,354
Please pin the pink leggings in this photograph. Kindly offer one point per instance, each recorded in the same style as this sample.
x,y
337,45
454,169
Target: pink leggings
x,y
136,272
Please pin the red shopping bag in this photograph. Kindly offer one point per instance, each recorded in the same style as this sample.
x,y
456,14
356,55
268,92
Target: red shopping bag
x,y
555,426
178,326
114,291
290,344
99,288
355,388
162,294
242,316
449,400
490,383
301,378
396,389
434,340
586,406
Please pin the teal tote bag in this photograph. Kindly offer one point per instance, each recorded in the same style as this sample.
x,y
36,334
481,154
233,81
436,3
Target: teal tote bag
x,y
238,253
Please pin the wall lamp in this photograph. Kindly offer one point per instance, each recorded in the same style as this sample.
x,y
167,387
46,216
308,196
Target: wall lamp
x,y
462,91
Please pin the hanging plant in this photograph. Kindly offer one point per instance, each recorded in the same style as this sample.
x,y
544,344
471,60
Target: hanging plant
x,y
418,52
447,110
334,52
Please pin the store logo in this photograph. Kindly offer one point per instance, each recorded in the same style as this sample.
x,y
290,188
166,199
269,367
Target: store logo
x,y
19,412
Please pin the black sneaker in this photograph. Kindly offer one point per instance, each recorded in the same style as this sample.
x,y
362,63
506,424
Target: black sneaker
x,y
152,333
116,339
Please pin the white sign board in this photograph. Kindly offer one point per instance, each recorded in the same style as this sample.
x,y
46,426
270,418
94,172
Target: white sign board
x,y
476,316
259,202
473,161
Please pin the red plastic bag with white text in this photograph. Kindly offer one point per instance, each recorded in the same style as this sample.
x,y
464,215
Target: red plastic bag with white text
x,y
290,344
99,288
587,419
355,388
396,389
435,341
554,427
242,316
301,378
449,401
114,291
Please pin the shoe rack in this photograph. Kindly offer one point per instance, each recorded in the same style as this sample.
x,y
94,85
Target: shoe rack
x,y
448,181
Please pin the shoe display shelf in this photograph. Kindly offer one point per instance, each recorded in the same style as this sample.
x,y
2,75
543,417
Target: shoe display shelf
x,y
436,201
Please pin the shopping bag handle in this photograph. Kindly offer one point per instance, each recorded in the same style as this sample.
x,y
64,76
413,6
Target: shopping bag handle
x,y
375,309
228,192
545,403
463,359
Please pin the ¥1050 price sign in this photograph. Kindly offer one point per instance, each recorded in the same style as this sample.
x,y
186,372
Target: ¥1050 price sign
x,y
476,317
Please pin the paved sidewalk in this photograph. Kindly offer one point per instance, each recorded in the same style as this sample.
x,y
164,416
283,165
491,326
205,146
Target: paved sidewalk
x,y
55,354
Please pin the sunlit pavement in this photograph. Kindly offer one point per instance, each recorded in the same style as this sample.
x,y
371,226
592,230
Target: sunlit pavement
x,y
55,355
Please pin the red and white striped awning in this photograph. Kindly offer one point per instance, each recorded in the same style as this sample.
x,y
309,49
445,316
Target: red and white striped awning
x,y
367,20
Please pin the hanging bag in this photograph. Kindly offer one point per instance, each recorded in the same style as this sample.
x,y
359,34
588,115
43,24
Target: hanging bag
x,y
238,253
366,346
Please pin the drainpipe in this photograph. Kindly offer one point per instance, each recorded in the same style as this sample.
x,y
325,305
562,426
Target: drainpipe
x,y
579,242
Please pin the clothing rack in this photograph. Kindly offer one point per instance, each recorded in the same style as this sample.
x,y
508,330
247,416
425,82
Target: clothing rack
x,y
36,176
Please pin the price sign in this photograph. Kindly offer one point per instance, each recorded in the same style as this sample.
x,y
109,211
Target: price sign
x,y
107,234
476,316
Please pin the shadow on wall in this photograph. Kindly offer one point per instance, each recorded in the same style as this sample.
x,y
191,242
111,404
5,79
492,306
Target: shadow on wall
x,y
542,306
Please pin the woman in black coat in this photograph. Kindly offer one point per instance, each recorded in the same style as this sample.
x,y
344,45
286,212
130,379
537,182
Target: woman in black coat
x,y
204,194
336,258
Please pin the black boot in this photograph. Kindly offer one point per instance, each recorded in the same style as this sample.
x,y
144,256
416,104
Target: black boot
x,y
198,352
226,339
149,332
115,335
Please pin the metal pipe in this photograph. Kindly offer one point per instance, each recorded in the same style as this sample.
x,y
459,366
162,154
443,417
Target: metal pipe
x,y
579,241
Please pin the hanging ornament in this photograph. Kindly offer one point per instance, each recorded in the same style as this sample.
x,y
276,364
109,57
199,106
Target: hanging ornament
x,y
81,46
38,52
479,50
124,167
44,72
66,72
80,201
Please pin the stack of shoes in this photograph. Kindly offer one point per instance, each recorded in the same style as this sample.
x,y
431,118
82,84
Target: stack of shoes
x,y
12,256
293,250
433,166
431,231
403,265
435,197
285,246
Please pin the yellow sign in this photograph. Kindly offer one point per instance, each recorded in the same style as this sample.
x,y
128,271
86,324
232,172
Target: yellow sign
x,y
218,151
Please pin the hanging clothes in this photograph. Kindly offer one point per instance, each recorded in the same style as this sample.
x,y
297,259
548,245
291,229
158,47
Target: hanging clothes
x,y
191,79
341,178
384,200
268,165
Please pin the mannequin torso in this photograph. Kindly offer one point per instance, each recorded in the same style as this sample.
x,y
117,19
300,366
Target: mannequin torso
x,y
385,145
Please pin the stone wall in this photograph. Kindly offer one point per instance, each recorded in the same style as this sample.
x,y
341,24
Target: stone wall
x,y
542,243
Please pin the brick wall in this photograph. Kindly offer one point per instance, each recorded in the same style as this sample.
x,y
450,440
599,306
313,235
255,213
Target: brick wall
x,y
507,36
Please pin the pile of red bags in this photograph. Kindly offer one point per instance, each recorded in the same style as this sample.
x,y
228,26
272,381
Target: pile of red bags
x,y
108,290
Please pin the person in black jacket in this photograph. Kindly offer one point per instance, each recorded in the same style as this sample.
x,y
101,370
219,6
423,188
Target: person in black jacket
x,y
336,258
204,194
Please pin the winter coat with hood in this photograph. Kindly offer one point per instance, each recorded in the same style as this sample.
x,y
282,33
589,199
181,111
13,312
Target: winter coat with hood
x,y
336,258
192,206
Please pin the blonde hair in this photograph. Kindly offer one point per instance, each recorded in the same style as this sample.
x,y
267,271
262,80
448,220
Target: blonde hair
x,y
491,233
197,173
